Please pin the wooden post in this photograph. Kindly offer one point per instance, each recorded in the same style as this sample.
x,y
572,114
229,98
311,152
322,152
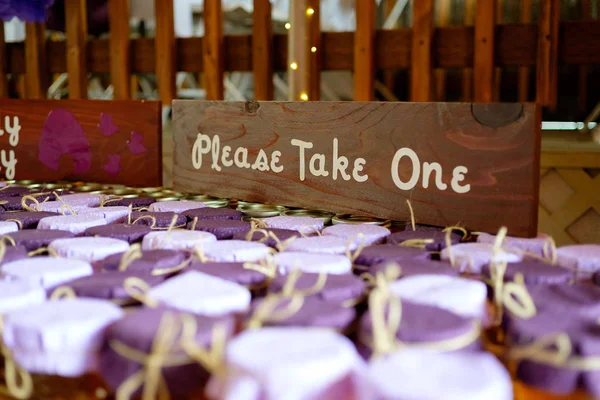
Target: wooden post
x,y
212,48
364,49
547,58
165,50
389,74
262,50
443,12
467,78
420,72
525,13
485,22
3,80
36,77
120,61
498,70
586,13
297,55
76,32
313,49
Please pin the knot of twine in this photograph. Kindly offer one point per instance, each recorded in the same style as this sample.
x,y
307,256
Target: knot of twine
x,y
51,252
19,383
266,266
390,273
280,245
353,255
3,241
63,293
138,290
133,253
64,207
105,199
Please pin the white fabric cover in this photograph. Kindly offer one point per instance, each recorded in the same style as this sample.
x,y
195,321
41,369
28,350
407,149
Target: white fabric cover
x,y
15,294
88,248
46,271
306,225
176,206
177,239
112,215
312,262
371,234
235,251
8,227
76,224
321,244
471,257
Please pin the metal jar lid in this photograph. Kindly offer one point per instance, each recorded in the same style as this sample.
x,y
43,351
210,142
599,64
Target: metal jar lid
x,y
173,193
325,216
359,219
89,188
167,198
209,201
26,182
125,192
254,210
152,189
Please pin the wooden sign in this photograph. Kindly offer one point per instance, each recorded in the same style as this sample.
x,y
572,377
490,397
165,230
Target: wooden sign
x,y
471,164
88,140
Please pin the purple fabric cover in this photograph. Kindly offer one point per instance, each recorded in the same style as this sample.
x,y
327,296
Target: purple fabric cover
x,y
109,285
134,202
33,239
13,191
314,313
377,254
212,213
337,288
13,254
28,219
418,267
282,234
596,278
231,271
129,233
222,228
137,330
534,272
163,219
150,260
438,237
579,300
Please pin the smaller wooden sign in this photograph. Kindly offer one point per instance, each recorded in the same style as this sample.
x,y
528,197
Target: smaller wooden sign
x,y
458,163
89,140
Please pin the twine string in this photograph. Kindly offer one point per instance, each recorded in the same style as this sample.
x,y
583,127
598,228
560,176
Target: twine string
x,y
138,290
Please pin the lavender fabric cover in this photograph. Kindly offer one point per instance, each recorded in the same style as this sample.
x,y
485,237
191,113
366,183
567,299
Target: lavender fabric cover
x,y
177,206
149,261
27,219
133,202
128,233
531,245
212,213
306,225
377,254
585,258
222,228
282,235
231,271
181,380
418,267
33,239
110,284
337,288
438,237
322,244
359,233
314,312
577,300
534,272
163,219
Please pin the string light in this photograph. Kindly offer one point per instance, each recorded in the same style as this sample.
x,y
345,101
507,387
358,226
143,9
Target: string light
x,y
294,66
310,11
304,97
288,26
313,49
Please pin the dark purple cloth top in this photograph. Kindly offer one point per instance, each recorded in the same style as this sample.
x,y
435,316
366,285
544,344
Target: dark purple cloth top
x,y
596,278
377,254
13,254
438,237
137,331
231,271
27,219
134,202
33,239
282,235
337,288
150,260
534,272
163,219
423,228
13,191
129,233
419,267
109,285
576,300
15,203
212,213
222,228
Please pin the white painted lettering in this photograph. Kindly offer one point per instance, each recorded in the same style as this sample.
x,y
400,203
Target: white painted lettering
x,y
428,169
302,146
274,160
201,146
339,163
416,169
216,146
359,164
458,175
243,161
318,170
13,130
262,161
9,163
225,160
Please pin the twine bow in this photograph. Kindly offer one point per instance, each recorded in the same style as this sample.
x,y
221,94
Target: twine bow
x,y
353,255
416,243
63,293
18,381
549,250
64,207
170,270
133,253
390,273
16,221
138,290
27,207
452,228
105,199
257,223
267,266
51,252
211,360
289,288
308,230
3,241
280,245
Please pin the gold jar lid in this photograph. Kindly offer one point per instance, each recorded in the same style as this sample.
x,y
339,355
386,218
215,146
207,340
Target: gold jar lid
x,y
36,186
255,210
125,192
359,219
209,201
152,189
26,182
90,188
323,215
56,186
173,193
167,198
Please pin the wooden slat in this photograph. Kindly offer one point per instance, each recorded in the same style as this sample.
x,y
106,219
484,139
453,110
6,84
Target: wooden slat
x,y
483,69
467,78
498,70
314,58
262,50
213,50
523,79
36,78
3,66
586,14
364,51
297,61
421,62
119,44
547,56
76,36
165,50
443,14
388,74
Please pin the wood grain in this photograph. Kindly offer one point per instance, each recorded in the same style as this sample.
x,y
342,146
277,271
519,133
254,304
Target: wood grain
x,y
119,45
483,69
364,50
36,77
76,33
547,56
421,63
262,50
65,118
3,80
500,153
213,50
165,45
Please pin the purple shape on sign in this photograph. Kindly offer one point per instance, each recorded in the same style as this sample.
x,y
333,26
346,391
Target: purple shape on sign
x,y
113,166
136,145
106,126
62,134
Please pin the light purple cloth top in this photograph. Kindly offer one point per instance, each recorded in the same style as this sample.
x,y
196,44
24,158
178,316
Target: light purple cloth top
x,y
360,233
585,258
